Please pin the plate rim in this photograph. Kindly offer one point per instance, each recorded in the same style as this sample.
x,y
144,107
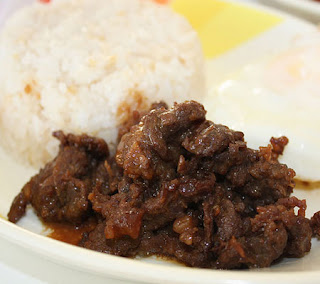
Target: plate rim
x,y
274,10
62,253
306,6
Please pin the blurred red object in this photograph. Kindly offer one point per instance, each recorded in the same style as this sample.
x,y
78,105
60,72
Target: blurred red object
x,y
158,1
162,1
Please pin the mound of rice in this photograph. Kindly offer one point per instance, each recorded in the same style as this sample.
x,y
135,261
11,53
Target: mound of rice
x,y
82,65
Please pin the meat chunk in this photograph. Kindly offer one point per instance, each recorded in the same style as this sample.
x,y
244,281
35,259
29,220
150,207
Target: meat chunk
x,y
315,224
150,148
60,191
276,230
208,139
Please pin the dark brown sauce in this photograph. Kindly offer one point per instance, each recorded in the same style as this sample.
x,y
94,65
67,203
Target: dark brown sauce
x,y
72,234
307,185
69,233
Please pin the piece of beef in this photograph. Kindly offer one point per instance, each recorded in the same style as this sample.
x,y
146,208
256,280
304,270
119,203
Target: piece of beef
x,y
60,191
96,240
315,224
274,232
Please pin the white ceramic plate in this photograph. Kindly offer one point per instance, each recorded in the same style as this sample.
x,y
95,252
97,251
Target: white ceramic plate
x,y
308,9
27,254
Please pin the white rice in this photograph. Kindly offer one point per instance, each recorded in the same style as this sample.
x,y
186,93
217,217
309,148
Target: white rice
x,y
72,64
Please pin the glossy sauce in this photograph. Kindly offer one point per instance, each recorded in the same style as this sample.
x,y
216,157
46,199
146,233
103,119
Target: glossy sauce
x,y
69,233
306,185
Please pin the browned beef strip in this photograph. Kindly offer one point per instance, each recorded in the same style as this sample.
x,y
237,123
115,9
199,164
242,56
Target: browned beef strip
x,y
60,191
96,240
315,224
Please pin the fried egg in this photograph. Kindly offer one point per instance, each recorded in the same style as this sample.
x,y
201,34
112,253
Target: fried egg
x,y
278,96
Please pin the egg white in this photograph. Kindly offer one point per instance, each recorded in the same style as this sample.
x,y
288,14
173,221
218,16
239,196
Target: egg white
x,y
277,96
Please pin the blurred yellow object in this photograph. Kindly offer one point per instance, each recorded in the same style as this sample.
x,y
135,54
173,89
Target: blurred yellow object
x,y
224,25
